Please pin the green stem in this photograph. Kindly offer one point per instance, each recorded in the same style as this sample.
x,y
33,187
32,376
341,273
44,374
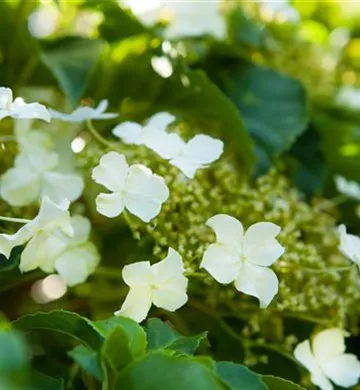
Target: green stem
x,y
195,274
330,270
16,220
107,272
98,136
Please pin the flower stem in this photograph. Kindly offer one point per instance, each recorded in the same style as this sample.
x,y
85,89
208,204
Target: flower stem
x,y
16,220
98,136
330,270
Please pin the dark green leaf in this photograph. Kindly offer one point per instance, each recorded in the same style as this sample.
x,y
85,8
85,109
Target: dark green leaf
x,y
239,377
275,383
65,322
273,106
72,60
88,360
14,353
41,381
161,336
160,370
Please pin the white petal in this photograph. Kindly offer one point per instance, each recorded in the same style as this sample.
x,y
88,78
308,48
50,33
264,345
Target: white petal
x,y
9,241
129,132
99,112
161,120
349,245
203,149
320,380
260,245
146,192
171,298
222,263
348,187
229,231
82,228
58,186
166,145
305,356
34,254
186,166
39,161
138,274
171,265
52,216
54,244
343,370
77,263
110,205
112,171
20,187
328,344
6,98
136,305
259,282
22,110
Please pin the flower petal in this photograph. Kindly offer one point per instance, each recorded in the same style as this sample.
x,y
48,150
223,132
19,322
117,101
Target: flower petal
x,y
20,187
161,121
34,254
129,132
167,146
221,263
349,245
329,344
229,231
204,149
259,282
110,205
146,192
58,186
112,171
343,370
9,241
171,284
77,263
137,304
138,274
6,98
20,109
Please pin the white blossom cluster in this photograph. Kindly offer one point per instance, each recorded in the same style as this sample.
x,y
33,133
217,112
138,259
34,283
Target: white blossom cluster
x,y
57,242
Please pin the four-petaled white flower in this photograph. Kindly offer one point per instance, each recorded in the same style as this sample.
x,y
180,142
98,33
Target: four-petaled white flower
x,y
326,360
349,245
35,175
162,284
348,187
84,113
186,18
38,234
244,258
135,188
135,134
18,109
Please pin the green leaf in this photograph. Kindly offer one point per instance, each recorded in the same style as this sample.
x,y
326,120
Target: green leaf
x,y
160,370
88,360
72,60
40,381
239,377
161,336
275,383
71,324
14,353
274,106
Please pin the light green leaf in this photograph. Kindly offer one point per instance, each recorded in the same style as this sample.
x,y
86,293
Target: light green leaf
x,y
275,383
72,61
65,322
88,360
162,336
239,377
14,353
160,370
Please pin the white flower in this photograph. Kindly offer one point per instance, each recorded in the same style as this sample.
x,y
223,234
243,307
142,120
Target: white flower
x,y
135,134
82,114
349,245
349,96
162,284
347,187
38,235
189,156
34,176
187,18
326,360
78,257
19,109
244,258
135,188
